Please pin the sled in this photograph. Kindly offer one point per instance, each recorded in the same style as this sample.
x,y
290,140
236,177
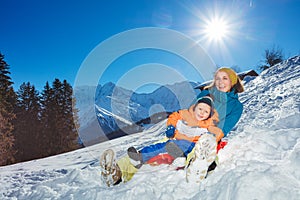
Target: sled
x,y
166,158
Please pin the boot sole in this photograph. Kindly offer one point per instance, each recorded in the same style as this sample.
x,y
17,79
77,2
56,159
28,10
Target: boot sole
x,y
110,172
205,154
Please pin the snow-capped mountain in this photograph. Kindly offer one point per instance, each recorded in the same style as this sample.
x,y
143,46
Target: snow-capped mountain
x,y
260,161
119,109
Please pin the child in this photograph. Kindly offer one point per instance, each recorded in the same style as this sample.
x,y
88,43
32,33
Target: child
x,y
184,129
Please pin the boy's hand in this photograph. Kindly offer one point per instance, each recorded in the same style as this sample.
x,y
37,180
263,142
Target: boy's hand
x,y
170,131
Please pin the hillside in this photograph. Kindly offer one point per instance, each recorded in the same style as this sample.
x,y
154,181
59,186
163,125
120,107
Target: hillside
x,y
261,160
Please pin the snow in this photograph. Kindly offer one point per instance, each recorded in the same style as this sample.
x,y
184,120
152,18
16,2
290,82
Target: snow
x,y
261,160
113,115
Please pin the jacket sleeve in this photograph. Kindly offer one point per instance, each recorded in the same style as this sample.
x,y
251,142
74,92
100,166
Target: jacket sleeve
x,y
173,118
213,127
232,118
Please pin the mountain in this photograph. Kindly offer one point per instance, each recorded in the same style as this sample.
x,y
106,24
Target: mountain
x,y
120,111
260,161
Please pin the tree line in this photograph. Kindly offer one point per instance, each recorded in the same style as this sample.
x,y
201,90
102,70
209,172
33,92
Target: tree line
x,y
33,124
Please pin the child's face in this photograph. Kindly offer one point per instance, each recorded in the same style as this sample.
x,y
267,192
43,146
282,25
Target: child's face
x,y
202,111
222,81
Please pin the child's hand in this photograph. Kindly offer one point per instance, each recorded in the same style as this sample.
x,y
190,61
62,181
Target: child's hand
x,y
170,131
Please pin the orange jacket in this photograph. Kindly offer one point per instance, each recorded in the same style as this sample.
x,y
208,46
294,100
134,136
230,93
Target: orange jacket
x,y
189,117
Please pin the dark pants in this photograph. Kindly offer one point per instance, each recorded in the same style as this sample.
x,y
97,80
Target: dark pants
x,y
153,150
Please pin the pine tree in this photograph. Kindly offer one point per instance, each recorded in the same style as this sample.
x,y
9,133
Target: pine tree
x,y
6,138
59,114
48,121
7,102
27,126
66,126
71,118
59,126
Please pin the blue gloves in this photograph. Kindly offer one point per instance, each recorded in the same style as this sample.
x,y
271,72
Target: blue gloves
x,y
170,132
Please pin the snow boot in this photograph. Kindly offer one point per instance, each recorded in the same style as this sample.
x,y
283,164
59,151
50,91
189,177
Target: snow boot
x,y
110,171
135,157
205,154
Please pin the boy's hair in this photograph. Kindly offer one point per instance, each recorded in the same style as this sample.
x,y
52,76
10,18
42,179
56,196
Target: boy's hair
x,y
207,100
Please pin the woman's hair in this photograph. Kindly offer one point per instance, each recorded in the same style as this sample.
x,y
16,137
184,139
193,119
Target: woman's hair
x,y
237,86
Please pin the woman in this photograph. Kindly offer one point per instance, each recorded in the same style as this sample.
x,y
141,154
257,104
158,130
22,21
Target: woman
x,y
224,91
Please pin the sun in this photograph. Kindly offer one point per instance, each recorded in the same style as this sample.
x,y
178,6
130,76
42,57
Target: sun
x,y
216,29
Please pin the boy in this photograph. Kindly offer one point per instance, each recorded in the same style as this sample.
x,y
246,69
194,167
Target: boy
x,y
184,129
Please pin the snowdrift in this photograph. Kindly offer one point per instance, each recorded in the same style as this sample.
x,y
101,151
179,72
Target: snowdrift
x,y
261,160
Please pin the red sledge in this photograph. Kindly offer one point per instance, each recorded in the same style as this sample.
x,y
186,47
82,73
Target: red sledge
x,y
166,158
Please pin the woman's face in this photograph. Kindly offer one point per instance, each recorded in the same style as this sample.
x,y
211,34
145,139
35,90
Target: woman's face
x,y
222,81
202,111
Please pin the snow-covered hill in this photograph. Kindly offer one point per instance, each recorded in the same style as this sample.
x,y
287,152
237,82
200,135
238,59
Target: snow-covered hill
x,y
261,160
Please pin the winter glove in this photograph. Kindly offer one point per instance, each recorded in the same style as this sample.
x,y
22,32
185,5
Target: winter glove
x,y
170,132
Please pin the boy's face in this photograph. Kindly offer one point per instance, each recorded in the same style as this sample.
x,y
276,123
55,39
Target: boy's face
x,y
202,111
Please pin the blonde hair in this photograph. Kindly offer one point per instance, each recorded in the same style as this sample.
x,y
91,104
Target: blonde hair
x,y
236,83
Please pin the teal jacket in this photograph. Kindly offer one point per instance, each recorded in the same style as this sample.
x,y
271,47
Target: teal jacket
x,y
228,107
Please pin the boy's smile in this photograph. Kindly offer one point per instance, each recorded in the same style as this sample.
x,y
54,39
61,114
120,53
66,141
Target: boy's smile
x,y
202,111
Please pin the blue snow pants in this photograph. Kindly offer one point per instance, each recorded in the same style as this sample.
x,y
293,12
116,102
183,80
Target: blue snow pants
x,y
150,151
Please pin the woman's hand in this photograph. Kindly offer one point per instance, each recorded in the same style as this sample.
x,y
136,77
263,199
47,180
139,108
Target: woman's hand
x,y
217,132
219,136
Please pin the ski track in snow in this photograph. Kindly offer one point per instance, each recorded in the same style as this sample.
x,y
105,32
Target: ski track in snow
x,y
261,160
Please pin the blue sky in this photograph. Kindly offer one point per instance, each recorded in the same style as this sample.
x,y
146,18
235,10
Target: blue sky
x,y
44,40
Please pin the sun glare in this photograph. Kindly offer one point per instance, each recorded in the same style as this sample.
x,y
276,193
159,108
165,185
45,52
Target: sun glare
x,y
216,29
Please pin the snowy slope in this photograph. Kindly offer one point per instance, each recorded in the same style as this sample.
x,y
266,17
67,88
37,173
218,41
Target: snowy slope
x,y
261,160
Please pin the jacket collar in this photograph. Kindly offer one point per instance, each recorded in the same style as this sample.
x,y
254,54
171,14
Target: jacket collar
x,y
222,96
